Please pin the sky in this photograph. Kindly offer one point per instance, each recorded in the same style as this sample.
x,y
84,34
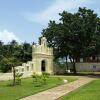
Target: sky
x,y
24,20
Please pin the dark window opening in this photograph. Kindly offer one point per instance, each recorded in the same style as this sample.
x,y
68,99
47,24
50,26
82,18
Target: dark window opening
x,y
43,66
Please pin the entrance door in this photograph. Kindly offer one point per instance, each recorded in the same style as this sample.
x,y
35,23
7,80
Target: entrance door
x,y
43,66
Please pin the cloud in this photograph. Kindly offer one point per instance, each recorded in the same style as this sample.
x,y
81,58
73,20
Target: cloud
x,y
7,36
52,11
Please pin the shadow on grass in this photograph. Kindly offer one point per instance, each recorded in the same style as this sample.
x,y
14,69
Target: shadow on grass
x,y
88,74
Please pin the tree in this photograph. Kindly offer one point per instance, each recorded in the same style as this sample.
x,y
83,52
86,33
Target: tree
x,y
21,52
1,50
10,63
26,52
5,65
55,38
77,35
13,62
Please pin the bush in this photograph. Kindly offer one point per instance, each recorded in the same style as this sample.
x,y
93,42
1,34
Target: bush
x,y
18,78
46,74
35,77
40,79
44,77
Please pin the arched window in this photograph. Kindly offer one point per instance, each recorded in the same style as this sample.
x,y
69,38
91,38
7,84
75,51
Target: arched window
x,y
27,68
32,66
22,69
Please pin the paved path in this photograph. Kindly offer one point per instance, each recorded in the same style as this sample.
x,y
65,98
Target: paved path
x,y
59,91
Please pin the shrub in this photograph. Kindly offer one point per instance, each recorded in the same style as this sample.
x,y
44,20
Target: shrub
x,y
40,79
44,77
35,77
45,74
18,78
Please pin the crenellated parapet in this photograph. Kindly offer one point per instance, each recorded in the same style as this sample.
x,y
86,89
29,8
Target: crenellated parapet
x,y
42,48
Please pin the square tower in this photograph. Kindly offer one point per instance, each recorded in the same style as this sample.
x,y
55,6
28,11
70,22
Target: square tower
x,y
42,57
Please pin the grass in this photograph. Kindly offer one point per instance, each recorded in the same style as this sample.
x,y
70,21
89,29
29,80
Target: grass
x,y
83,73
28,88
90,91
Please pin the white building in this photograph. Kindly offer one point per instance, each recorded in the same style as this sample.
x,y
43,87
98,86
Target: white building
x,y
42,60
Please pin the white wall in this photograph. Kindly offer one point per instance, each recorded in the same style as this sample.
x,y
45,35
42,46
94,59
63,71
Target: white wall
x,y
88,66
6,76
9,76
79,67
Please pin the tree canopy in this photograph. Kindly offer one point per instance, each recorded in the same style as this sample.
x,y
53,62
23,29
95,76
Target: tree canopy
x,y
76,35
14,54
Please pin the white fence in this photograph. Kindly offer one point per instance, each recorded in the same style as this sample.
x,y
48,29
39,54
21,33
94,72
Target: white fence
x,y
6,76
88,67
9,76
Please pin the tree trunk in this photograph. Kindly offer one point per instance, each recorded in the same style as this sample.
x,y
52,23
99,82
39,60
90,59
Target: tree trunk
x,y
73,64
14,76
74,67
66,64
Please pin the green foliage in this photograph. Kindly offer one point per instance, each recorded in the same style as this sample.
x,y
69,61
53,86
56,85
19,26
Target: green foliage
x,y
44,77
45,74
13,50
36,77
40,79
12,55
4,67
18,78
76,35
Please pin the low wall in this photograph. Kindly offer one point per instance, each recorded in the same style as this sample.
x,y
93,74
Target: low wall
x,y
9,76
88,67
79,67
6,76
58,70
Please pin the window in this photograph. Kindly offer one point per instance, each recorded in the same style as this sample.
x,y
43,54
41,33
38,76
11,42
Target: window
x,y
27,68
22,69
32,66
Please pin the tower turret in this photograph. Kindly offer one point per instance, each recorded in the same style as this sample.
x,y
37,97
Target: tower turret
x,y
43,41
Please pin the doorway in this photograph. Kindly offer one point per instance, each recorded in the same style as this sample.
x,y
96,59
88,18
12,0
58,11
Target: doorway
x,y
43,69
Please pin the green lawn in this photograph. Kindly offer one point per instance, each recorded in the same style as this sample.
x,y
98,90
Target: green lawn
x,y
28,88
90,91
